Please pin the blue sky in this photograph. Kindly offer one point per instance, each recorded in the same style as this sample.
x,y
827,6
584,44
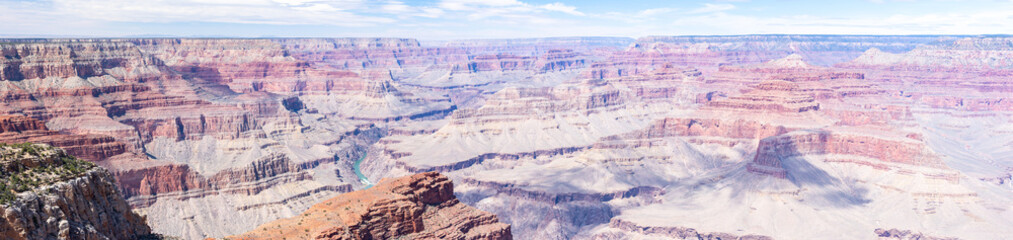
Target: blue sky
x,y
467,19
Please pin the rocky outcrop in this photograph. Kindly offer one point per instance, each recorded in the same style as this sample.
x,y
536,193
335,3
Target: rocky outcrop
x,y
772,150
17,129
60,197
771,96
179,182
412,207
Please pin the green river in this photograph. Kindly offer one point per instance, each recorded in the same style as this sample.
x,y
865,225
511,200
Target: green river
x,y
358,172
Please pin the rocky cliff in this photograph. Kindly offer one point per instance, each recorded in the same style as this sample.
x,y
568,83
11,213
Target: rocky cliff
x,y
48,194
412,207
757,135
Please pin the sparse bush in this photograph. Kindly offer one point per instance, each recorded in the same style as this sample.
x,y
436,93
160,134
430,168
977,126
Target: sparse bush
x,y
21,179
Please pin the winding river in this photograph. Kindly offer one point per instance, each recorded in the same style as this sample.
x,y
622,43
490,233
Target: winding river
x,y
358,172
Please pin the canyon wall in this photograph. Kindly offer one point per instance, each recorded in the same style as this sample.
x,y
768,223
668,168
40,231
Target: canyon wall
x,y
686,137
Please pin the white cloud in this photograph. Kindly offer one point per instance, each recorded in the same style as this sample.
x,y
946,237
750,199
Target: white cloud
x,y
560,7
465,5
332,12
402,10
655,11
710,7
430,12
395,7
506,12
984,22
478,19
317,7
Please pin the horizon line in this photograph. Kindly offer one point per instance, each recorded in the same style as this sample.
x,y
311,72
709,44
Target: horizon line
x,y
44,37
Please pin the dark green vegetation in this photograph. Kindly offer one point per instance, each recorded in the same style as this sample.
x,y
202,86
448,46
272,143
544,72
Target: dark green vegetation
x,y
26,166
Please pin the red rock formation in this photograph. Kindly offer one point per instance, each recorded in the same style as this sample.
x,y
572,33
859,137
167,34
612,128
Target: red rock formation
x,y
772,150
412,207
180,182
771,96
18,129
242,65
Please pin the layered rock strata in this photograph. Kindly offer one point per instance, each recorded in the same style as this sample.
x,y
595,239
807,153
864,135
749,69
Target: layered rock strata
x,y
770,135
48,194
772,150
413,207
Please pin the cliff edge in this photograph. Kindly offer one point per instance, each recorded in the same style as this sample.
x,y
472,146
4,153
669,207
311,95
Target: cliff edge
x,y
47,194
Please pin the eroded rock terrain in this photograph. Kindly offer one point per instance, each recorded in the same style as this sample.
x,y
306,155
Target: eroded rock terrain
x,y
750,137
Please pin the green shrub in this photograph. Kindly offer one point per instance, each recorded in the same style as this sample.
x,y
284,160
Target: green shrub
x,y
21,179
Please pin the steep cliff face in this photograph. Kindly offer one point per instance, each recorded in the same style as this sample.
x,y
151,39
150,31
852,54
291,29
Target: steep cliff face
x,y
75,58
48,194
771,151
413,207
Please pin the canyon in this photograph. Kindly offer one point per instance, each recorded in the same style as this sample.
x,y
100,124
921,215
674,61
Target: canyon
x,y
684,137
